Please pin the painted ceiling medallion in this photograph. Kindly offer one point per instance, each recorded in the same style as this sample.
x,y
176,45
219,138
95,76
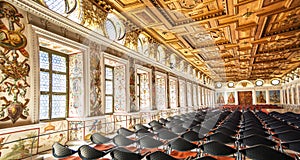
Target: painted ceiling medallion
x,y
13,65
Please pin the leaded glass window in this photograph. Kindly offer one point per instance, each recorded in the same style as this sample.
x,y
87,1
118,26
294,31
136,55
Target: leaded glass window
x,y
56,5
109,89
111,29
53,84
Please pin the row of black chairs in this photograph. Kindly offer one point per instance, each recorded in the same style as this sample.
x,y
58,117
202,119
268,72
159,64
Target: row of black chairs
x,y
196,135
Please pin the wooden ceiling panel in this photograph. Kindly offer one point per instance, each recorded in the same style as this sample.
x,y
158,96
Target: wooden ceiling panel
x,y
226,40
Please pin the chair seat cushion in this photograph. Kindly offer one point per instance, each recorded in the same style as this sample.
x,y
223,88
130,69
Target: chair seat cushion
x,y
104,147
183,155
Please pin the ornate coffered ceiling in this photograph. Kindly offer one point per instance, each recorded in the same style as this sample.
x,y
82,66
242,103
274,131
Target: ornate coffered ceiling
x,y
229,40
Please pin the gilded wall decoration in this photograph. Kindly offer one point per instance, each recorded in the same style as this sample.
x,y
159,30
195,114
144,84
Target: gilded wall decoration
x,y
131,39
96,108
13,65
94,15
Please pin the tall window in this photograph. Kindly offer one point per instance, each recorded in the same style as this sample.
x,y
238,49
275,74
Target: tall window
x,y
109,89
53,84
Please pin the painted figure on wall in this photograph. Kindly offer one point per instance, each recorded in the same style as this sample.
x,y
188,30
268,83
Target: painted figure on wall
x,y
231,98
261,97
220,98
274,96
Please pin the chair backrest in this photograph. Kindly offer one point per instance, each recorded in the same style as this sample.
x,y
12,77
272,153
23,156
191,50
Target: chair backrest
x,y
167,135
218,136
217,148
125,132
61,151
158,155
289,135
149,142
191,136
181,144
255,140
86,152
120,140
139,126
97,138
123,154
264,152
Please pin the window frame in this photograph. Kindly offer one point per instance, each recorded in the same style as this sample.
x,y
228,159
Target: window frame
x,y
50,93
113,92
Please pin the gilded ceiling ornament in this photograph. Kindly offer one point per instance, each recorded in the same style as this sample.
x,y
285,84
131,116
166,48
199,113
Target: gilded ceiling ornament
x,y
13,65
189,4
93,14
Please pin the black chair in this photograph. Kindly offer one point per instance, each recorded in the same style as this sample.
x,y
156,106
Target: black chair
x,y
127,143
262,152
205,158
163,121
252,131
255,140
86,152
226,131
292,145
97,138
220,137
191,136
181,148
61,151
101,142
140,126
217,148
289,135
178,129
158,155
125,132
149,144
123,154
154,123
166,135
143,132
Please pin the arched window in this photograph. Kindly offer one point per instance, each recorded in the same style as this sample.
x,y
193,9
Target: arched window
x,y
114,28
111,29
61,6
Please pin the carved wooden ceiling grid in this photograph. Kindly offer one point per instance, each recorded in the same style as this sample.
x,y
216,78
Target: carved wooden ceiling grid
x,y
229,40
